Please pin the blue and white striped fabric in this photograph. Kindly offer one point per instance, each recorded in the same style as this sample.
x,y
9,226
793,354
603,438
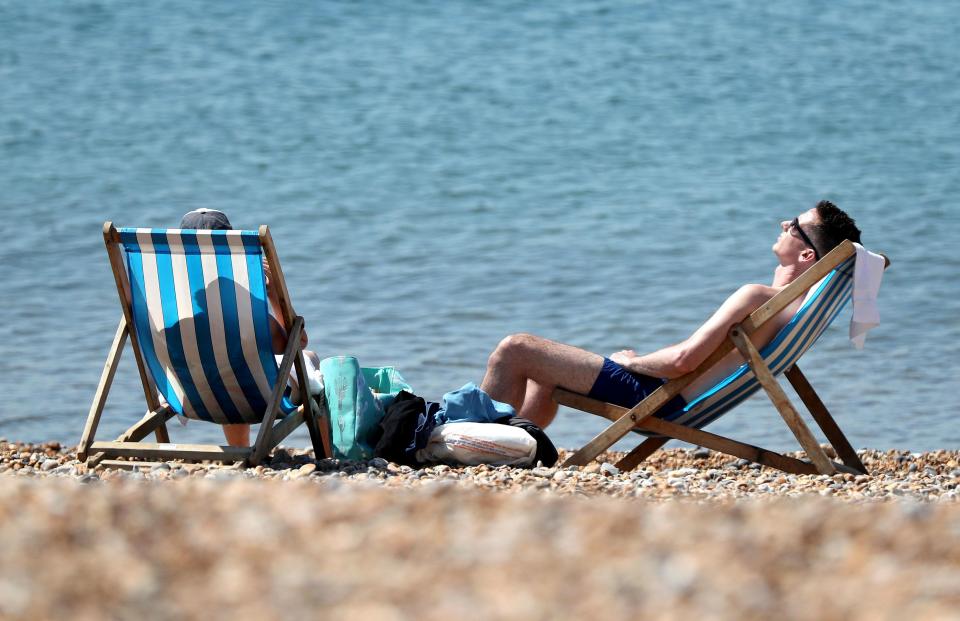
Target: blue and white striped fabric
x,y
818,310
201,314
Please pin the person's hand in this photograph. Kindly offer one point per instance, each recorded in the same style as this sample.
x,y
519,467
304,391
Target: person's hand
x,y
623,357
266,271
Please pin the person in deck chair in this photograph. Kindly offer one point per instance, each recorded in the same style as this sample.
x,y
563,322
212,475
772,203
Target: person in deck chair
x,y
211,219
524,369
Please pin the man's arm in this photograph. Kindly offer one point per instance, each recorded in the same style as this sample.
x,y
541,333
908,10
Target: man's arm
x,y
680,359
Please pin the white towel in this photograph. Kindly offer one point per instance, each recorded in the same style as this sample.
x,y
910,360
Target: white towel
x,y
866,284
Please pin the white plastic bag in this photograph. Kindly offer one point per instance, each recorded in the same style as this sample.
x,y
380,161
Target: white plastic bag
x,y
471,444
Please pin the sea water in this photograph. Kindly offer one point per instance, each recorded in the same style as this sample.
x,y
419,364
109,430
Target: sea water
x,y
440,174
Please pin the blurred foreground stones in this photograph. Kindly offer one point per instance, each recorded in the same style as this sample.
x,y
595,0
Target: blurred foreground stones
x,y
301,538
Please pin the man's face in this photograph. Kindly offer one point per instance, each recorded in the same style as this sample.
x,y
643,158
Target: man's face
x,y
791,245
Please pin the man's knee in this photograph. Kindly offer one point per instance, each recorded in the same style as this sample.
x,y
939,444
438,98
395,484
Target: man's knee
x,y
513,348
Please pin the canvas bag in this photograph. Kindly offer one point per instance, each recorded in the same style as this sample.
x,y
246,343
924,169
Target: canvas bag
x,y
355,398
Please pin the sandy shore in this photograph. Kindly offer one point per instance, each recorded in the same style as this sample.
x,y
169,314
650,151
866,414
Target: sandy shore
x,y
689,534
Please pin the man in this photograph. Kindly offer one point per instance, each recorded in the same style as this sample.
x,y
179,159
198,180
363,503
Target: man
x,y
210,219
524,369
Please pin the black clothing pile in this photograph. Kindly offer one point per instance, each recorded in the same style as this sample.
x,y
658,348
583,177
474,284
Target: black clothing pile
x,y
409,421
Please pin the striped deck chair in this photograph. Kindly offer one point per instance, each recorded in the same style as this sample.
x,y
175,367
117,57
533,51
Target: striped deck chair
x,y
828,286
197,301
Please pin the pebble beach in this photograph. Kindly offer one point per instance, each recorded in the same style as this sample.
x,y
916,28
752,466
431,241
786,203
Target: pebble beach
x,y
691,532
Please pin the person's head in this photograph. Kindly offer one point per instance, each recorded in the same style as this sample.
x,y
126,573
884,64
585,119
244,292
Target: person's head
x,y
206,219
814,233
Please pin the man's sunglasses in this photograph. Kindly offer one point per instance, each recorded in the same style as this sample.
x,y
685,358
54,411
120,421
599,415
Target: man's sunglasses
x,y
795,224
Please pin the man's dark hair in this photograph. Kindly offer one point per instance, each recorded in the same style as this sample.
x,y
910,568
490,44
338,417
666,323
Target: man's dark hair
x,y
834,227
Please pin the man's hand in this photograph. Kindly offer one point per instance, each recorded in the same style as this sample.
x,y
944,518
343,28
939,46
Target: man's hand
x,y
266,271
624,357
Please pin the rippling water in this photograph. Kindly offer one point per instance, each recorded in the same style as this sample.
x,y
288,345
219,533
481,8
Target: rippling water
x,y
440,174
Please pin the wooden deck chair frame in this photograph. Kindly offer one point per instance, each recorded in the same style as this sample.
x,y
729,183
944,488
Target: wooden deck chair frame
x,y
641,418
129,443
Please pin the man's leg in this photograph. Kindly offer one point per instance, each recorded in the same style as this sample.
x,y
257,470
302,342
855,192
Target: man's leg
x,y
237,435
538,404
546,364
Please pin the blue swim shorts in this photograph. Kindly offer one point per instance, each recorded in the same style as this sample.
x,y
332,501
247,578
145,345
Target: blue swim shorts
x,y
619,386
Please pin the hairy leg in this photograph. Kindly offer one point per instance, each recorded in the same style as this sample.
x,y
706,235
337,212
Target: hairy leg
x,y
526,368
538,404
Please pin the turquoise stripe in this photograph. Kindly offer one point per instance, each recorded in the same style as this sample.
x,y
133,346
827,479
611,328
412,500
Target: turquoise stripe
x,y
141,321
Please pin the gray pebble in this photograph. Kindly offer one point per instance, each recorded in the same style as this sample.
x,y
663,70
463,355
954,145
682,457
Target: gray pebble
x,y
49,464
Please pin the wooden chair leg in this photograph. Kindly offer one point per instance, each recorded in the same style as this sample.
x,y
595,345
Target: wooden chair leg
x,y
163,436
781,402
138,431
826,422
310,417
262,445
642,451
622,426
322,412
103,390
731,447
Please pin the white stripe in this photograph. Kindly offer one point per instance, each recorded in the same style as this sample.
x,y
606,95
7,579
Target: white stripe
x,y
151,285
218,336
188,331
238,255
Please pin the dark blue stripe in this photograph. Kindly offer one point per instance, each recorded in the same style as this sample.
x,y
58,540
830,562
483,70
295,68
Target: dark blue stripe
x,y
171,328
251,242
141,321
228,411
231,326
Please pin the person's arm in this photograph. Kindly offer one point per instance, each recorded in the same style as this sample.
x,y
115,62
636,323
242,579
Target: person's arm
x,y
278,332
680,359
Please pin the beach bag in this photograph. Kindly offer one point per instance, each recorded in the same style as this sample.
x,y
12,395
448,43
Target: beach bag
x,y
355,398
471,444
